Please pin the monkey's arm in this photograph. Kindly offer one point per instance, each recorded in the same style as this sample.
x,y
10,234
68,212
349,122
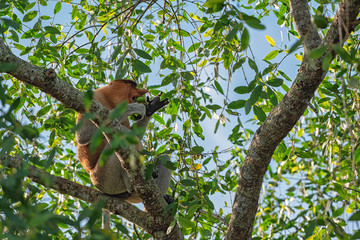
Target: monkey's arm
x,y
134,108
88,128
85,133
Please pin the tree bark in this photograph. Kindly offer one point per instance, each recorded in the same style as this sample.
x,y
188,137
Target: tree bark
x,y
285,115
87,194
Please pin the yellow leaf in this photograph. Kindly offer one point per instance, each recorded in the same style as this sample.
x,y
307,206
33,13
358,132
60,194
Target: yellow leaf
x,y
270,40
294,169
300,132
349,210
104,29
208,33
196,166
203,63
298,57
195,17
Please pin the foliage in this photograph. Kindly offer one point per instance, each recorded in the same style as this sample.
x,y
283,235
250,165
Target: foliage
x,y
200,55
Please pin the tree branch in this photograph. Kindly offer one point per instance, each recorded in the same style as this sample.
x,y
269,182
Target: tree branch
x,y
302,18
88,194
47,81
284,116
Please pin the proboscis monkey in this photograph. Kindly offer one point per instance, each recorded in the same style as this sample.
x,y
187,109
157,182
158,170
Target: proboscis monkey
x,y
110,177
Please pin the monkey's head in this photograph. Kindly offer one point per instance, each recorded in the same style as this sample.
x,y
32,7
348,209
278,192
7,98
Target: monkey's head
x,y
124,90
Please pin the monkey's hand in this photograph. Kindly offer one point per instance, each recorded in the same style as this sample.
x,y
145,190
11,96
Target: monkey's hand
x,y
135,108
155,104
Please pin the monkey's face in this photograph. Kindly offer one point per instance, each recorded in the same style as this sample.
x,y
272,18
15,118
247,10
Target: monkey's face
x,y
125,90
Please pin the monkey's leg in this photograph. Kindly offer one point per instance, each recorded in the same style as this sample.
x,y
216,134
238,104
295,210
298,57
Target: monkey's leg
x,y
162,177
105,214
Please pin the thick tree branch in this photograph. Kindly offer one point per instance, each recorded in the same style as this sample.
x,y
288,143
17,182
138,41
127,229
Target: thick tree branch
x,y
344,23
302,18
47,81
285,115
64,186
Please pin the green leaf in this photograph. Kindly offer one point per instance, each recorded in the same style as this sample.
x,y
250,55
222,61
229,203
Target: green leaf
x,y
87,98
357,153
205,232
52,30
178,47
245,39
248,106
57,7
255,95
242,90
149,37
236,104
231,34
355,216
161,149
317,52
344,55
43,111
218,87
295,46
44,17
187,75
141,67
188,182
29,6
158,119
197,149
9,22
340,190
213,3
327,60
252,22
194,208
209,202
14,35
238,64
260,114
116,52
193,47
28,132
30,16
253,65
275,82
118,110
354,82
169,79
310,228
142,53
213,107
320,21
121,72
271,55
185,222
